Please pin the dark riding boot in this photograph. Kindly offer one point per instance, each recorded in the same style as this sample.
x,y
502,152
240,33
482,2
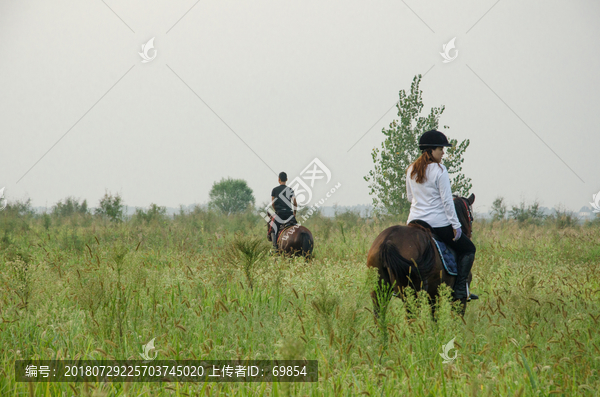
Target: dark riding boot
x,y
274,240
465,263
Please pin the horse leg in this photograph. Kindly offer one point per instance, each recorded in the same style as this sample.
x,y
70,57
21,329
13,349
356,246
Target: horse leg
x,y
380,295
274,240
430,296
432,305
463,307
375,305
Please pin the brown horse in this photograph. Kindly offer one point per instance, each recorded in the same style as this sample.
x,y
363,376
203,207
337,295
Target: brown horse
x,y
397,250
295,240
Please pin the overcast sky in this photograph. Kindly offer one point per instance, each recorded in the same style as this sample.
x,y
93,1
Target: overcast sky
x,y
247,89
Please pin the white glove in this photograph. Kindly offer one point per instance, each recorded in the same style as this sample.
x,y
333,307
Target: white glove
x,y
458,233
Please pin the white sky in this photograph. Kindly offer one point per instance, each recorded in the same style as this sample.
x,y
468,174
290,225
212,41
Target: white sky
x,y
295,81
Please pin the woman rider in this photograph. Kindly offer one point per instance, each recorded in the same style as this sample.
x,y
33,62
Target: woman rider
x,y
428,190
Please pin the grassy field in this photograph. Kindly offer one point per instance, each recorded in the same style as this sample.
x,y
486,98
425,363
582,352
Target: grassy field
x,y
83,287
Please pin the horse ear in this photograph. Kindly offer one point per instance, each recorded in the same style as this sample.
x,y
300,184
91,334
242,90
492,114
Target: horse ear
x,y
471,199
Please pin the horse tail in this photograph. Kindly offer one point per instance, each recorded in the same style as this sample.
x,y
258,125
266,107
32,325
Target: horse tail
x,y
307,246
402,268
414,272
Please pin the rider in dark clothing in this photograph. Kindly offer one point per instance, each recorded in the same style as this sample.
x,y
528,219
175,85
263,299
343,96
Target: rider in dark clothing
x,y
283,200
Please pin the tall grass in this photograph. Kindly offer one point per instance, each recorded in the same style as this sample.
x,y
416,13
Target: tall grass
x,y
96,289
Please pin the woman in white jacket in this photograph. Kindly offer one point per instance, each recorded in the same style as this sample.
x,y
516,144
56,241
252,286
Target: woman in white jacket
x,y
428,190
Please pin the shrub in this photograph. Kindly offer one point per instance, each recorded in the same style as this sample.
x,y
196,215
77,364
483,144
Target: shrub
x,y
111,207
562,218
153,213
498,211
530,214
69,206
19,207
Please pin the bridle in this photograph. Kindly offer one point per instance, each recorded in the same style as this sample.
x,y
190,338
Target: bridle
x,y
468,207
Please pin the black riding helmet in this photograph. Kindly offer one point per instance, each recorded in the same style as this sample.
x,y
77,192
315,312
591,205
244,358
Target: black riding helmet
x,y
433,139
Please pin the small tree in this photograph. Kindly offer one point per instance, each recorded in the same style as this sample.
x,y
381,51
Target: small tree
x,y
387,182
154,212
530,214
19,208
231,196
498,209
562,218
594,221
111,207
70,206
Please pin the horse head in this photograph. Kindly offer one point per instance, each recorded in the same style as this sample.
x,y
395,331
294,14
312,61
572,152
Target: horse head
x,y
464,211
268,217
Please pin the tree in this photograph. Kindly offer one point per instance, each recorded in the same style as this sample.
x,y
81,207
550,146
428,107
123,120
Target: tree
x,y
154,212
231,195
111,207
562,217
19,208
70,206
498,209
387,182
530,214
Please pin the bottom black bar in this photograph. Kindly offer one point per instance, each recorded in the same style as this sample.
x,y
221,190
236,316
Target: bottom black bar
x,y
167,371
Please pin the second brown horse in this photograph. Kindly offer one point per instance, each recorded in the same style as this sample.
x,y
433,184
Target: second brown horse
x,y
296,240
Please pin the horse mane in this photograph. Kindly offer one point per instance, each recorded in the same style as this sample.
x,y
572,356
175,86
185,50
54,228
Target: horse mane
x,y
462,214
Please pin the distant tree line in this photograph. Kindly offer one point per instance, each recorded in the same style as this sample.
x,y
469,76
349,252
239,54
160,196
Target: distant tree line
x,y
533,214
228,196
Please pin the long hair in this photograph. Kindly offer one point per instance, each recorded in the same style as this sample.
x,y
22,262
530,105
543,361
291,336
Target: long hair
x,y
419,167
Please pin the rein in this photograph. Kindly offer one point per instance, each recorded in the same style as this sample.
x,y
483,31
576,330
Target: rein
x,y
467,208
469,214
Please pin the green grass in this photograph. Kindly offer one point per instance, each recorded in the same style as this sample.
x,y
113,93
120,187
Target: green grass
x,y
85,288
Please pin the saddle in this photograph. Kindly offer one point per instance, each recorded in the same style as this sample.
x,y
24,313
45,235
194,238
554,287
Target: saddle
x,y
448,255
281,228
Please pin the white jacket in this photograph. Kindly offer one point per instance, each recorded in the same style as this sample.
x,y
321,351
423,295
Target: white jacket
x,y
431,201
